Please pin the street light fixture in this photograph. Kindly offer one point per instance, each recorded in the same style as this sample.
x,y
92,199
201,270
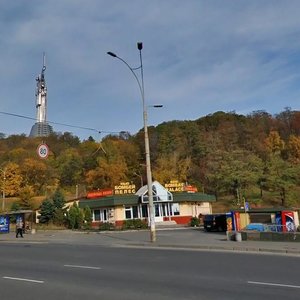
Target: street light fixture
x,y
147,148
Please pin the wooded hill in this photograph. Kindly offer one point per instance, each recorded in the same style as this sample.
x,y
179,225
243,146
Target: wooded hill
x,y
236,157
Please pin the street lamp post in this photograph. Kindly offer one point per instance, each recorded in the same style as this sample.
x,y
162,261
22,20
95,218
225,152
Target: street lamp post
x,y
3,189
147,148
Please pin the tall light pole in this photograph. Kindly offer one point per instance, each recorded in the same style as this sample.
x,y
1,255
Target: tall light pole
x,y
147,148
3,189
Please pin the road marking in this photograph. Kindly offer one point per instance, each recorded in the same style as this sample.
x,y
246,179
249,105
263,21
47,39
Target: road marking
x,y
275,284
82,267
23,279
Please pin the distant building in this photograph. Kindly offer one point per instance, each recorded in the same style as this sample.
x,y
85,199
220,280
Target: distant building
x,y
41,127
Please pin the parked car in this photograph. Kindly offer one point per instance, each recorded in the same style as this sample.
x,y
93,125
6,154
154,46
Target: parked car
x,y
215,222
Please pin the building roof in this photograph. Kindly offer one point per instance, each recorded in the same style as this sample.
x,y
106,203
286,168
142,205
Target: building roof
x,y
15,212
265,210
117,200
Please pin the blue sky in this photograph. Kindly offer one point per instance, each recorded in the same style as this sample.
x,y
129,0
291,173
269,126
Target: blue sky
x,y
199,57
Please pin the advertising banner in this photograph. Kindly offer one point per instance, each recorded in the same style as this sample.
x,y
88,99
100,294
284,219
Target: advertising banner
x,y
288,221
278,221
237,221
229,221
4,224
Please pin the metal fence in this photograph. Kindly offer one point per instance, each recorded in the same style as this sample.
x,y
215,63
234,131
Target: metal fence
x,y
289,227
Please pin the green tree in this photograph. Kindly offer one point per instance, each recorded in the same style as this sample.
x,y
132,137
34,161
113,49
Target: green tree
x,y
47,211
75,217
58,199
15,206
281,177
70,167
88,218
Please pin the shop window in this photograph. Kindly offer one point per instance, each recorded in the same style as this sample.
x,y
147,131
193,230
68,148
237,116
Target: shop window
x,y
145,211
175,209
96,215
100,215
135,212
104,214
131,212
128,214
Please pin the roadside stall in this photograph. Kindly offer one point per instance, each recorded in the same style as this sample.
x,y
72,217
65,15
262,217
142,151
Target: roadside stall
x,y
9,219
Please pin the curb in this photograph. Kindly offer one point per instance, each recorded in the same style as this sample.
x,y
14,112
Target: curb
x,y
214,248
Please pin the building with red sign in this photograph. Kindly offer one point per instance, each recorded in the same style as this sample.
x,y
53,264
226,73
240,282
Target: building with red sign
x,y
178,207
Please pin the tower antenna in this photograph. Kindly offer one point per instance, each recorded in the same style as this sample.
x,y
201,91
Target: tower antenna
x,y
44,63
41,127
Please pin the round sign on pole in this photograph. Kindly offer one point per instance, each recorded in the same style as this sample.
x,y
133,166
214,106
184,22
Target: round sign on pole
x,y
43,151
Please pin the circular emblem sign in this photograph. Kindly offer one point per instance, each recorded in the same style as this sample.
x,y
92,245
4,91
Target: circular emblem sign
x,y
43,151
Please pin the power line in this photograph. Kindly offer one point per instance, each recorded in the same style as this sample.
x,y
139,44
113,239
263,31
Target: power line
x,y
62,124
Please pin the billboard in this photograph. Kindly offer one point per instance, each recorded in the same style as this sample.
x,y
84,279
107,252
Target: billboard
x,y
4,224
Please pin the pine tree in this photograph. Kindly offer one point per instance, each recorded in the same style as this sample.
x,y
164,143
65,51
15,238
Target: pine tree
x,y
47,211
58,199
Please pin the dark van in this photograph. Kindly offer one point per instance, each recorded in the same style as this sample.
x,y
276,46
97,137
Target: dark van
x,y
215,222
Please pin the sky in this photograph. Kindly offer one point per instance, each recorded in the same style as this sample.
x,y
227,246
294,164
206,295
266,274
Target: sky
x,y
198,56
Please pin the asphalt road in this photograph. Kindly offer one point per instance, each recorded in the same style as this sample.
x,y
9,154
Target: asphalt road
x,y
65,271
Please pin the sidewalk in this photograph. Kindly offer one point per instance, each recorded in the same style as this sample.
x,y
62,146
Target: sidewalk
x,y
176,238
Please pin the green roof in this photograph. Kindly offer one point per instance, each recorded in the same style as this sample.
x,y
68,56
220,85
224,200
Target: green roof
x,y
117,200
109,201
193,197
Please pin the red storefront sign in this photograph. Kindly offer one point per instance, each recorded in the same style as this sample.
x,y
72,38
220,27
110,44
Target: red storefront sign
x,y
190,189
99,193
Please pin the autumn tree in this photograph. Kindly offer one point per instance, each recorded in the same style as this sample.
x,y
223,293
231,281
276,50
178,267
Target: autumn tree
x,y
274,143
171,167
13,179
111,170
35,174
26,194
293,148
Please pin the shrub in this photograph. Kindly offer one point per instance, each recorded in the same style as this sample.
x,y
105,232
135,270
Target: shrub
x,y
195,222
75,217
106,226
135,224
88,218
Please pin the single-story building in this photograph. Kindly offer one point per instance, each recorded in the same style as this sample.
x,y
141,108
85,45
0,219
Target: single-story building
x,y
174,203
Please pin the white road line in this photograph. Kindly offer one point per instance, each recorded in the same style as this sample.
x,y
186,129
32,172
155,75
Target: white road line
x,y
82,267
275,284
23,279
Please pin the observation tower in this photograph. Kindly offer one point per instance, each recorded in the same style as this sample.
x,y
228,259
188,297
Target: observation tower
x,y
41,126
